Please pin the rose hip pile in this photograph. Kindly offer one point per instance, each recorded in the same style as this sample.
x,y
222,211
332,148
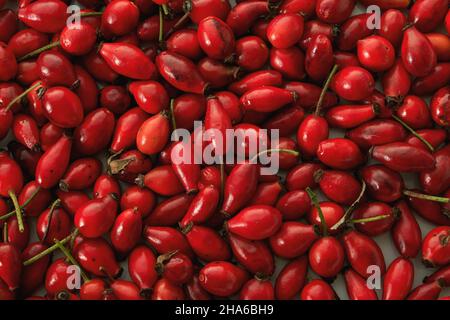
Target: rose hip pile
x,y
115,79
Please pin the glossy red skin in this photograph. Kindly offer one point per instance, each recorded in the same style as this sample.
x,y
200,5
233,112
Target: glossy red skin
x,y
215,38
435,137
362,252
309,94
398,280
332,213
350,116
414,111
177,270
222,278
11,176
104,185
209,176
141,267
286,160
127,128
86,89
62,107
439,77
255,222
180,72
207,244
187,173
377,133
169,211
313,28
166,290
120,17
8,24
95,289
216,73
259,28
98,67
8,63
317,290
143,200
81,174
428,15
294,204
417,53
441,45
436,181
26,131
15,237
305,8
231,104
447,22
374,209
285,30
153,134
244,14
188,108
9,91
255,80
6,117
285,120
353,83
202,206
251,53
267,99
136,164
53,163
255,256
396,81
291,279
163,181
78,40
383,184
58,227
38,203
427,291
403,157
56,277
47,16
319,57
201,9
72,200
289,62
326,257
32,276
96,217
125,290
97,257
392,22
255,289
357,287
185,42
376,53
115,99
166,239
27,159
127,60
333,11
440,107
55,69
126,231
95,132
353,30
331,182
27,72
148,29
442,274
429,210
435,247
339,153
235,195
302,176
149,95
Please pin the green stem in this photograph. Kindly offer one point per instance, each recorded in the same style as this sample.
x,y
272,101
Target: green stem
x,y
18,211
55,204
23,94
91,14
425,196
350,209
325,89
315,201
418,136
161,25
371,219
24,205
289,151
5,232
39,50
165,9
70,258
49,250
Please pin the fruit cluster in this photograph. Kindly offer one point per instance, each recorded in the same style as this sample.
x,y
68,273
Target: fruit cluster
x,y
116,79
